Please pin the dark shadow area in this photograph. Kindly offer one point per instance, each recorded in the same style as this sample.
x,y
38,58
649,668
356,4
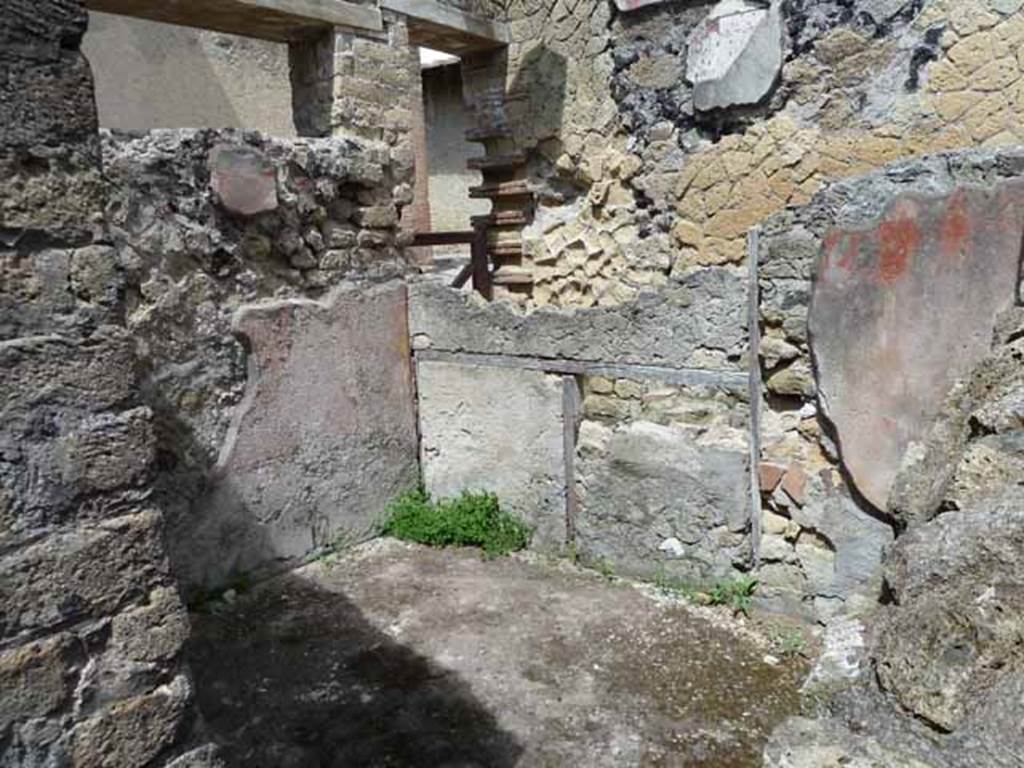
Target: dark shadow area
x,y
294,676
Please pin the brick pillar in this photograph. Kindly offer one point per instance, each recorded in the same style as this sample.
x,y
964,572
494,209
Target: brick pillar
x,y
416,216
364,85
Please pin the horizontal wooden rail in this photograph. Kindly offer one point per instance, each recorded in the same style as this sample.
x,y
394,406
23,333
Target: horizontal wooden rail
x,y
444,238
479,267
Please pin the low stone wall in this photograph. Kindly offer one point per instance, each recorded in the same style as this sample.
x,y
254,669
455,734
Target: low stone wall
x,y
273,385
621,435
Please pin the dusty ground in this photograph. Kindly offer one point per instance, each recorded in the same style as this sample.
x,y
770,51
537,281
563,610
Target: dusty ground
x,y
396,655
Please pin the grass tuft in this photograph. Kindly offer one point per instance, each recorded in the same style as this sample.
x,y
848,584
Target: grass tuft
x,y
471,520
736,593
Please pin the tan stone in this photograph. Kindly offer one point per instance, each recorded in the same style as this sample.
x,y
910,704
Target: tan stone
x,y
687,233
781,127
951,106
714,251
838,45
996,75
738,163
734,222
655,72
718,197
944,76
967,17
988,118
877,150
1011,31
691,206
712,173
629,389
972,53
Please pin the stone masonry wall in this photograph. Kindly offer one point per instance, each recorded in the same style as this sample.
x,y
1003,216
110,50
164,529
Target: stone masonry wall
x,y
636,183
650,167
620,434
810,472
213,225
92,625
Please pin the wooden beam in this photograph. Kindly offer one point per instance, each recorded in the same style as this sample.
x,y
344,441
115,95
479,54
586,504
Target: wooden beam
x,y
433,25
443,238
283,21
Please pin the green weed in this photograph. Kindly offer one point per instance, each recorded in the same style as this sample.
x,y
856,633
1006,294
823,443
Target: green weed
x,y
788,643
675,587
736,593
471,520
605,568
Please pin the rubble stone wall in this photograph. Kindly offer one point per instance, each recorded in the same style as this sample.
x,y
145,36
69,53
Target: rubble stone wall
x,y
646,189
213,225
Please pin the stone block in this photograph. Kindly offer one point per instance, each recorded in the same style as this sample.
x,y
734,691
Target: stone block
x,y
84,573
499,430
646,483
131,733
660,328
954,628
244,179
901,310
323,439
735,55
856,539
37,679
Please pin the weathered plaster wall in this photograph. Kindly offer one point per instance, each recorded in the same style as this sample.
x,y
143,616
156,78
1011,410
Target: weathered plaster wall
x,y
212,225
92,625
884,231
202,79
932,675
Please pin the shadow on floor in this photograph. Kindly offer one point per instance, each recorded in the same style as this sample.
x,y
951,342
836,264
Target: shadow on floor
x,y
292,676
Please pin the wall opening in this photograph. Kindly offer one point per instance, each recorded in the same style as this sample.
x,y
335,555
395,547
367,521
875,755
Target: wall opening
x,y
443,180
154,75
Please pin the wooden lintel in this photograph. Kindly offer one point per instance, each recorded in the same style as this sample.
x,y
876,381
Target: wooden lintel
x,y
279,20
433,25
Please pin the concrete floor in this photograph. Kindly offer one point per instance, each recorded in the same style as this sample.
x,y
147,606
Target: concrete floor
x,y
398,655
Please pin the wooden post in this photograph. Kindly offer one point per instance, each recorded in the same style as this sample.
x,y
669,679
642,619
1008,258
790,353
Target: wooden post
x,y
480,262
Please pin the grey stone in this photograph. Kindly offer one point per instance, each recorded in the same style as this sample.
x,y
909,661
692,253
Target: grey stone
x,y
882,10
1006,7
857,541
80,573
324,438
498,430
651,483
660,328
891,326
735,55
801,742
974,445
134,731
955,629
